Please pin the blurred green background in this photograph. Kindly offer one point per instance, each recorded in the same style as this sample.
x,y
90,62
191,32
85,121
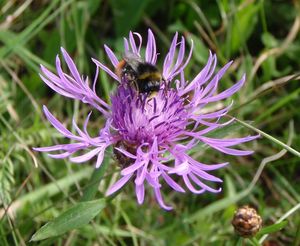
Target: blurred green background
x,y
261,36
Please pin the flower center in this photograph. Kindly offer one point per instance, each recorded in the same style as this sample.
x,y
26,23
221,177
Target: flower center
x,y
139,118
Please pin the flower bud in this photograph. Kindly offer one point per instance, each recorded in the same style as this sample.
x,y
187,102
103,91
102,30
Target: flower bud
x,y
246,221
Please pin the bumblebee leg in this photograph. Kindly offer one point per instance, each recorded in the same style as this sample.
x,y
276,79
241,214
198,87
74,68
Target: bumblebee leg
x,y
135,84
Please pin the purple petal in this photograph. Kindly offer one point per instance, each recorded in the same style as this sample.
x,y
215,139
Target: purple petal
x,y
233,151
227,93
178,67
141,175
58,125
181,169
126,153
209,90
190,186
228,142
204,131
106,69
56,88
126,45
100,158
71,65
202,77
77,129
86,123
169,57
67,147
160,200
64,81
215,114
118,185
60,156
204,186
172,183
85,157
53,77
132,168
140,41
154,147
132,43
206,167
205,175
152,181
49,148
150,54
112,57
140,193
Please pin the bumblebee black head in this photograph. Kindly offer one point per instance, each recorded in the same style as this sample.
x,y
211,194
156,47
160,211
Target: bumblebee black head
x,y
129,74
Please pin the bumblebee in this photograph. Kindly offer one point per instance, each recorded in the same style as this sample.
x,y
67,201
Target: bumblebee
x,y
144,76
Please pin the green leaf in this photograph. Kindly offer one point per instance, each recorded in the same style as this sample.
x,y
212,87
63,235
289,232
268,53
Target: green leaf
x,y
272,228
244,23
200,50
269,40
93,5
75,217
127,14
278,105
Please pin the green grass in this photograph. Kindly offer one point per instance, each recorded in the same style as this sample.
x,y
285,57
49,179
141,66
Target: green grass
x,y
263,39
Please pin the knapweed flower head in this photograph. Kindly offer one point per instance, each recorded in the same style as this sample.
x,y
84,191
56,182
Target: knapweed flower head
x,y
151,134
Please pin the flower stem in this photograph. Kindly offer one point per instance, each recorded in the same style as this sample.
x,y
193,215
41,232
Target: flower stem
x,y
266,135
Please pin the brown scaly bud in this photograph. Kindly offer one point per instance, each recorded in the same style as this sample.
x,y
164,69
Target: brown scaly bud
x,y
246,221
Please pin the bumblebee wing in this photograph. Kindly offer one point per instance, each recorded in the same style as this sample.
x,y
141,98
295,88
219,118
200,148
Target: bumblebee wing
x,y
133,60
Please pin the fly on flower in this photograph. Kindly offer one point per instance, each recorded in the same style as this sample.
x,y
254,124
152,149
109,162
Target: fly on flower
x,y
151,135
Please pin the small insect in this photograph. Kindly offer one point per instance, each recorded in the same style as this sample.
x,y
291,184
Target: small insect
x,y
123,160
144,76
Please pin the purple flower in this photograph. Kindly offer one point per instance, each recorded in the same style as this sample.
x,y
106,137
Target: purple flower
x,y
151,135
